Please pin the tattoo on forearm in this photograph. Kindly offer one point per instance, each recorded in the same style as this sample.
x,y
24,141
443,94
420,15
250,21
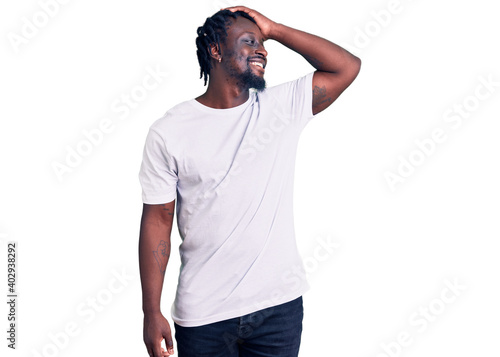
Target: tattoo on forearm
x,y
161,255
319,96
167,209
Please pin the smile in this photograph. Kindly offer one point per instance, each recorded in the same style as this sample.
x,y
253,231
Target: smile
x,y
258,64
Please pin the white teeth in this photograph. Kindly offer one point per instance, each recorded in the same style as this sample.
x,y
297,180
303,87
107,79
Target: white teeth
x,y
257,64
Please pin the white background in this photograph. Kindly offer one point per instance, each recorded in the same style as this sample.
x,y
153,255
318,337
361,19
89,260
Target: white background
x,y
396,248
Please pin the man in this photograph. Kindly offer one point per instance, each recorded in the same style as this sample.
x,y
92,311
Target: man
x,y
228,158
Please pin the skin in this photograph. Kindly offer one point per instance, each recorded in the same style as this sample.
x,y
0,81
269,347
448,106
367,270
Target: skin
x,y
336,68
229,83
154,252
244,44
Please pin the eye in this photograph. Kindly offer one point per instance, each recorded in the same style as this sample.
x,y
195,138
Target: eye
x,y
250,41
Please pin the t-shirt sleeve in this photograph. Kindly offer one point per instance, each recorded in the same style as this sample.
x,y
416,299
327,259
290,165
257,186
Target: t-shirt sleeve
x,y
158,173
295,99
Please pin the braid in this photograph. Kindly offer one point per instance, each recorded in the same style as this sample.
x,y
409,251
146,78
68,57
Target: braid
x,y
214,31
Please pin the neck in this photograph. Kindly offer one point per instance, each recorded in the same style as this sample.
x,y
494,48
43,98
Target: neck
x,y
222,95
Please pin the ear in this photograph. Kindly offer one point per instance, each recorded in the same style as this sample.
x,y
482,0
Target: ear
x,y
214,51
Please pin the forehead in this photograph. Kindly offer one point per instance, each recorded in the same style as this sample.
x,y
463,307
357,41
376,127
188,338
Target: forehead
x,y
241,25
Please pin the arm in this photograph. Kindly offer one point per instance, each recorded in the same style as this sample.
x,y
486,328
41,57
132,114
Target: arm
x,y
154,251
336,68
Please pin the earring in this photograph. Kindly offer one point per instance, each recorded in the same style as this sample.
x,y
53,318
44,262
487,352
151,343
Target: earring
x,y
220,59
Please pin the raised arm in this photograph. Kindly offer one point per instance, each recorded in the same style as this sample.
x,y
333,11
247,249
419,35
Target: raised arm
x,y
336,68
154,252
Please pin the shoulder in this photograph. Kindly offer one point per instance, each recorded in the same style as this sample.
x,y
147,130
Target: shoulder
x,y
289,87
173,117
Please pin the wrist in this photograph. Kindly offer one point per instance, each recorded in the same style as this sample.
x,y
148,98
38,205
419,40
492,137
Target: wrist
x,y
151,311
275,31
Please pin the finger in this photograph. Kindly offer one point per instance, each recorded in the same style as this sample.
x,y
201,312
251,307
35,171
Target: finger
x,y
164,352
150,351
169,343
157,350
236,8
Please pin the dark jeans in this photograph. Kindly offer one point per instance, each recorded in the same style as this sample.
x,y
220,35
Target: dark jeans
x,y
271,332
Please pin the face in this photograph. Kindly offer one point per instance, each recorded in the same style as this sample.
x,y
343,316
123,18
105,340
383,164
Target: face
x,y
244,55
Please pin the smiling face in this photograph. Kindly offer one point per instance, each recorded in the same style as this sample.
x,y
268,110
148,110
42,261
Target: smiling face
x,y
244,55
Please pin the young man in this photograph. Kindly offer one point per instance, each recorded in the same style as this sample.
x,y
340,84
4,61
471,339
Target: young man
x,y
228,158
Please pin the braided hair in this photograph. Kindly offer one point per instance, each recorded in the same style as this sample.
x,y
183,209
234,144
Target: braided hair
x,y
214,31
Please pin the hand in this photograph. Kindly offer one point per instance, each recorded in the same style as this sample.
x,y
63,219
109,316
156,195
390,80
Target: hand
x,y
156,328
266,25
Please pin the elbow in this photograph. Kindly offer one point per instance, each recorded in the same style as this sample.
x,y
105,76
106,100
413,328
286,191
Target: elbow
x,y
356,65
353,68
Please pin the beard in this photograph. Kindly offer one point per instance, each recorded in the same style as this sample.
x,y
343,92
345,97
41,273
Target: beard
x,y
248,79
251,80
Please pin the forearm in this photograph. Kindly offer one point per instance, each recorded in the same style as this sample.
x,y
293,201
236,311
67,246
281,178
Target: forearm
x,y
322,54
154,252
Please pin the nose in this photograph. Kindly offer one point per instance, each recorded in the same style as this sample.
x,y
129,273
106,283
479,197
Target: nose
x,y
261,50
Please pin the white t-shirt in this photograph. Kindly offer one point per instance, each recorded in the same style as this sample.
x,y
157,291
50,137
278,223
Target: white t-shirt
x,y
232,173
